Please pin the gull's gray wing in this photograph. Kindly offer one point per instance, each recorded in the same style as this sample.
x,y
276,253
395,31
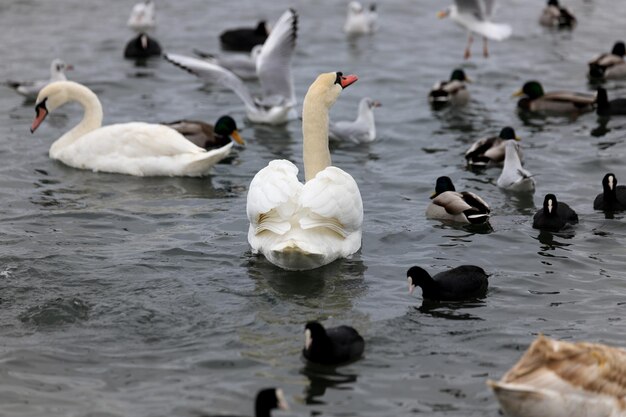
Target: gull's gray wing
x,y
488,7
352,131
273,65
473,7
213,73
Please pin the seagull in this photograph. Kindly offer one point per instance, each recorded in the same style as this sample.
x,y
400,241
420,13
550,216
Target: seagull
x,y
273,67
360,21
30,89
242,65
361,130
142,17
474,15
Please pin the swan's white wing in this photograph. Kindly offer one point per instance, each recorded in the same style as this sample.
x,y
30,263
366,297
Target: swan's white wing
x,y
273,65
333,201
213,73
272,197
138,140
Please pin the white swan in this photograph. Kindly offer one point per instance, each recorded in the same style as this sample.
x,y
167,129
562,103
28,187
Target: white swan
x,y
304,226
361,130
562,379
273,67
30,89
140,149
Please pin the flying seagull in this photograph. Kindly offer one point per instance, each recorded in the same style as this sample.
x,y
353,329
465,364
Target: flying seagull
x,y
475,15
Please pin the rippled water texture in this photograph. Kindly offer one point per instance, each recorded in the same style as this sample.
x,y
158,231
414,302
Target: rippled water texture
x,y
124,296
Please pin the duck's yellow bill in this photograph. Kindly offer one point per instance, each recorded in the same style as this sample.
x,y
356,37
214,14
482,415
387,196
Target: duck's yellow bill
x,y
237,138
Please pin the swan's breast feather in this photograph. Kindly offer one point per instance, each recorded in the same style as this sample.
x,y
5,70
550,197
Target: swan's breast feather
x,y
273,197
332,199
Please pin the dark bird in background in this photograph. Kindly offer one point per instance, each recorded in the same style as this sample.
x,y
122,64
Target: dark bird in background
x,y
142,46
244,39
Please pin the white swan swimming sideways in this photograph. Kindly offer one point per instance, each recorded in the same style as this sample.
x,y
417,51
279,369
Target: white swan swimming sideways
x,y
304,226
141,149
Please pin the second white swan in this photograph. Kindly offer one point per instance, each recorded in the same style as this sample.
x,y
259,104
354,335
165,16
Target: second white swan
x,y
141,149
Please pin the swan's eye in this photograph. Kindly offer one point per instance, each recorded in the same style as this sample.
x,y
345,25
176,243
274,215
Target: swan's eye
x,y
338,79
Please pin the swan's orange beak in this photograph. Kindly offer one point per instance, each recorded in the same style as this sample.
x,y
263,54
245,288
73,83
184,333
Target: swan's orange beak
x,y
42,112
237,138
348,80
443,14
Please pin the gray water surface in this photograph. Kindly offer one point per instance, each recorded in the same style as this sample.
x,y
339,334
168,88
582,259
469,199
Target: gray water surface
x,y
126,296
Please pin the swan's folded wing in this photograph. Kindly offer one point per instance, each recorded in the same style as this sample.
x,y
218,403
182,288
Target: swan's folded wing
x,y
332,200
273,65
213,73
272,197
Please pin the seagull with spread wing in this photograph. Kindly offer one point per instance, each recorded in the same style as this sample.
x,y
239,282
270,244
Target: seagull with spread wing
x,y
475,15
277,102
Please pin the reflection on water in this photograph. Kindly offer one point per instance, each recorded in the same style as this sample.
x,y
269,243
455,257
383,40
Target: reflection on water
x,y
549,243
322,378
602,128
450,310
523,203
333,286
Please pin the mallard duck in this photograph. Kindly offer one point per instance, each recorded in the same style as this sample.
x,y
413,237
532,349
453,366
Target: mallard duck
x,y
244,39
464,282
554,216
513,176
556,16
605,107
609,66
206,135
452,92
475,16
361,130
612,197
333,346
142,46
563,379
490,149
460,207
558,102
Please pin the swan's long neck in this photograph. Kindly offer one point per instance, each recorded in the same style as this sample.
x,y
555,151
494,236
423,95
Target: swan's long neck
x,y
92,118
315,132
